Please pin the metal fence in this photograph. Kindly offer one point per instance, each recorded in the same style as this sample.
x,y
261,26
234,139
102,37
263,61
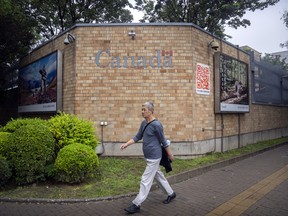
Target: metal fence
x,y
269,83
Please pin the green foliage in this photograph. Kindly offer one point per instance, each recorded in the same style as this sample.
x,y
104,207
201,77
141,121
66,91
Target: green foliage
x,y
30,144
76,162
23,23
209,15
3,142
16,38
15,124
49,171
285,21
6,7
285,18
29,149
117,175
68,129
63,14
276,60
5,171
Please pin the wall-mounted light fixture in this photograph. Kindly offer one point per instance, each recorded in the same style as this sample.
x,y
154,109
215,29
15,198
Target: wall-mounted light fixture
x,y
103,123
132,34
69,38
214,45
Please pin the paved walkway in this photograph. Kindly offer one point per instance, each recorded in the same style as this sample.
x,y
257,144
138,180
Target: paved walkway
x,y
255,186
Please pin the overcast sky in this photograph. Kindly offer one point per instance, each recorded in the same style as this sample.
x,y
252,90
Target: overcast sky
x,y
266,32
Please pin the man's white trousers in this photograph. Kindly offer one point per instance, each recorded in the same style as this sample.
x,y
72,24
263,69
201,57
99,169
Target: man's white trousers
x,y
151,172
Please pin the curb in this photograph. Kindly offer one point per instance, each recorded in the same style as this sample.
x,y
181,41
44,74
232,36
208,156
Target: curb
x,y
172,180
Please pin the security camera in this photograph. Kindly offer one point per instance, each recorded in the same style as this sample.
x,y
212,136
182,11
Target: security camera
x,y
214,45
132,34
69,39
66,41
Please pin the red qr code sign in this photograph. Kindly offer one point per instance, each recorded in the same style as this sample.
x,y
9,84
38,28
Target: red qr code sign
x,y
202,79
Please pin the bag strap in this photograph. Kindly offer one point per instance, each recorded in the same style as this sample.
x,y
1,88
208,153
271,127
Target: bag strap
x,y
147,125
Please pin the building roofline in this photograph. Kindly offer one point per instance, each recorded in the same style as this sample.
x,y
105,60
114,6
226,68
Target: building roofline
x,y
79,25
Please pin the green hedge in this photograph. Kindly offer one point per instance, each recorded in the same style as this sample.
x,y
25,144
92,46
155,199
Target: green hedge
x,y
30,148
69,129
3,142
15,124
5,171
76,162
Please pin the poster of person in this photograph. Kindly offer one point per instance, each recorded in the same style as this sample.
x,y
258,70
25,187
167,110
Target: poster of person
x,y
234,91
202,79
38,85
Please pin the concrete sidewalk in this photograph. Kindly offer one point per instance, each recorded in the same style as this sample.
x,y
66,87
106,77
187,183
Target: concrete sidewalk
x,y
249,185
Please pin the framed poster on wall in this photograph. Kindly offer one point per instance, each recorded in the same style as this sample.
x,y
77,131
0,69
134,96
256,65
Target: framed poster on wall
x,y
231,85
40,85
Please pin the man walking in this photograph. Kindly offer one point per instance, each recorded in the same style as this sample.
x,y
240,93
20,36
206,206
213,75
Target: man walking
x,y
151,130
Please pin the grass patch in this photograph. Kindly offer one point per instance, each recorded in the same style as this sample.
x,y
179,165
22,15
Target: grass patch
x,y
118,176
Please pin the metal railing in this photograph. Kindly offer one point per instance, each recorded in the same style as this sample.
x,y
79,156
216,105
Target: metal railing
x,y
269,84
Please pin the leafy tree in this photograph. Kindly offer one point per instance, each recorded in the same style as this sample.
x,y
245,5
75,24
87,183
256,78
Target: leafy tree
x,y
276,60
55,16
209,15
285,20
17,36
26,23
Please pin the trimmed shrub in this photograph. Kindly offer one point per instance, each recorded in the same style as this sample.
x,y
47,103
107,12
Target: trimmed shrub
x,y
68,129
49,171
76,162
15,124
3,142
29,150
5,171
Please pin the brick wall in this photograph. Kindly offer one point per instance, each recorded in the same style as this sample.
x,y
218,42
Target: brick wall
x,y
115,92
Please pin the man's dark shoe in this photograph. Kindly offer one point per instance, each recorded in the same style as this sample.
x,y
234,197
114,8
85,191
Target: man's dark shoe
x,y
132,209
170,198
